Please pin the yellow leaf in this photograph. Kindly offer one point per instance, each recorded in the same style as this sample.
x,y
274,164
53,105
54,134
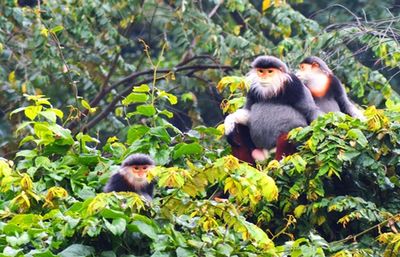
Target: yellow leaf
x,y
26,182
299,210
231,162
236,30
97,204
221,130
22,201
269,189
11,77
52,193
5,168
24,88
112,139
272,165
265,5
44,32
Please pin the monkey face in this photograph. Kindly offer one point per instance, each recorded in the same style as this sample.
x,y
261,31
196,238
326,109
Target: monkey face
x,y
314,78
267,82
140,172
308,71
267,74
136,174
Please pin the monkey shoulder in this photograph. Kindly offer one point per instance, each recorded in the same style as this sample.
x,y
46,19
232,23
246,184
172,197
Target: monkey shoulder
x,y
117,183
336,87
294,89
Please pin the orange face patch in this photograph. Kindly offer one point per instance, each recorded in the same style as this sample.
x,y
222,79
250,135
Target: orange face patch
x,y
266,73
321,89
140,170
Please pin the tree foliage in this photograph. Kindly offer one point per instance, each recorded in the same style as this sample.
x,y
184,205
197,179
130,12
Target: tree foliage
x,y
86,83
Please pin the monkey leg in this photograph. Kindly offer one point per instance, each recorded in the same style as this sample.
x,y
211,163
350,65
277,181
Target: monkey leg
x,y
242,145
284,147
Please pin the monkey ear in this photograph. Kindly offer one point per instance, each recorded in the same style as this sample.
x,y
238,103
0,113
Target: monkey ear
x,y
315,65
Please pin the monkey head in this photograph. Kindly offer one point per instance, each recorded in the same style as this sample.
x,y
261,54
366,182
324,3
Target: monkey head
x,y
135,169
315,74
268,76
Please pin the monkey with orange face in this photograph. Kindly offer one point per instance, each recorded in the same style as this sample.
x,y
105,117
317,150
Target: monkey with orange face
x,y
132,176
326,89
276,103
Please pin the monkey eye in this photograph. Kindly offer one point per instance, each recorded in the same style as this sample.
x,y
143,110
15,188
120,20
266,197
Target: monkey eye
x,y
270,71
261,71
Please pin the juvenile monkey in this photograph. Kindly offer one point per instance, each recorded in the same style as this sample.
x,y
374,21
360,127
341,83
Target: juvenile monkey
x,y
132,176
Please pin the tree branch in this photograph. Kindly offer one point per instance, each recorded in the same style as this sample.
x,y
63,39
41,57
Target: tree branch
x,y
103,114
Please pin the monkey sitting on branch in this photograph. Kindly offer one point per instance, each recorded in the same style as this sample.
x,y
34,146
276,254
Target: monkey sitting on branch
x,y
276,103
132,176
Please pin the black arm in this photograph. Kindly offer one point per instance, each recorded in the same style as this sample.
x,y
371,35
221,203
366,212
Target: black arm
x,y
301,99
345,105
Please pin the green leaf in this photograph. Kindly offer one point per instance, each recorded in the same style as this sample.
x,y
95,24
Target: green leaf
x,y
187,149
20,109
26,139
170,97
135,98
9,251
42,161
109,254
359,136
117,227
77,250
32,111
144,225
144,88
62,133
182,252
49,115
43,254
25,221
166,113
27,153
57,112
224,249
161,133
57,29
113,214
18,240
146,110
160,254
136,132
87,106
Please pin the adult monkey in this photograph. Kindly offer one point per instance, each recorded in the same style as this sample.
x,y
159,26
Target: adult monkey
x,y
326,89
276,103
132,176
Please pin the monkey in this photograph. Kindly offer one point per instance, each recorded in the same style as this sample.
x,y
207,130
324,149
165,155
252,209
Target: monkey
x,y
276,103
328,93
132,176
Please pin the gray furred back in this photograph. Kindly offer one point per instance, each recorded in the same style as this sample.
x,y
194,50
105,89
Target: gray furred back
x,y
269,120
327,104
